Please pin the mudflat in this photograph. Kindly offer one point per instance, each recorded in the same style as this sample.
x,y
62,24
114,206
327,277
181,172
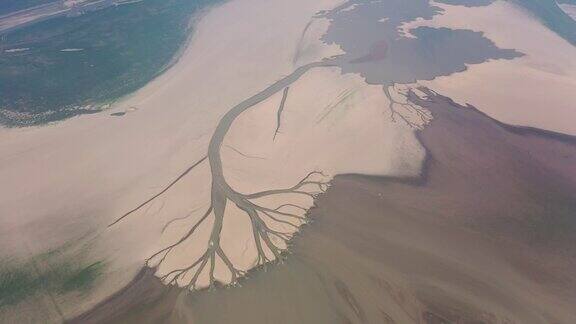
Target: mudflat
x,y
482,236
309,162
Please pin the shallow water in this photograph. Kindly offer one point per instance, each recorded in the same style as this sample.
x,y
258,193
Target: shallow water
x,y
467,3
464,243
123,48
551,15
483,236
9,6
369,34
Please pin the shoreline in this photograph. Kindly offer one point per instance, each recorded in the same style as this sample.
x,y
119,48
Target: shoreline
x,y
53,10
259,289
108,164
224,100
23,109
548,67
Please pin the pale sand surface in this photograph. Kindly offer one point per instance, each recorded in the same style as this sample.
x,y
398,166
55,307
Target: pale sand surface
x,y
331,123
533,90
67,179
51,9
309,48
484,235
63,180
45,11
569,9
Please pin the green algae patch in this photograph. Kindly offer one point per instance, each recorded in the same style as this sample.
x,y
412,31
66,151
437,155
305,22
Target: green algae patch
x,y
15,285
83,279
19,281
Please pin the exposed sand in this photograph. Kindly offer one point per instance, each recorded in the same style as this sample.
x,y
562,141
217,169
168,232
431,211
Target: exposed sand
x,y
64,180
270,142
533,90
76,177
484,236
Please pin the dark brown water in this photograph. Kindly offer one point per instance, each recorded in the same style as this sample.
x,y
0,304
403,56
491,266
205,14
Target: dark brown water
x,y
486,235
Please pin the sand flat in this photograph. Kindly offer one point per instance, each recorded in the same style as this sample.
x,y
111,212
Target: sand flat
x,y
500,88
484,235
67,179
255,116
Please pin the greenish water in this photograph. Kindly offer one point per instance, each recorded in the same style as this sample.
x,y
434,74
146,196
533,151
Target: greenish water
x,y
45,275
107,54
467,3
547,11
8,6
551,15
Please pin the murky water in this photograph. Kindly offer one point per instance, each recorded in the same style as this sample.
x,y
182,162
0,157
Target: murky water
x,y
482,237
368,31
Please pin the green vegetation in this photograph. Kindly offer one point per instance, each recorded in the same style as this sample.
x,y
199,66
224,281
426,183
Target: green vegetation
x,y
107,54
19,282
54,272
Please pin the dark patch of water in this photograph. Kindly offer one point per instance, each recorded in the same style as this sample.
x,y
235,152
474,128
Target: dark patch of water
x,y
369,34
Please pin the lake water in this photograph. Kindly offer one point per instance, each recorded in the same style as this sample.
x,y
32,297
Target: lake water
x,y
123,48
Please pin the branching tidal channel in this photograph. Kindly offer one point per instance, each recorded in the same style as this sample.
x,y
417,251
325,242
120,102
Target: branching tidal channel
x,y
264,235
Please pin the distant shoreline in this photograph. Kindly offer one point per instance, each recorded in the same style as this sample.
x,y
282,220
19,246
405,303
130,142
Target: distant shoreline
x,y
123,64
26,17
